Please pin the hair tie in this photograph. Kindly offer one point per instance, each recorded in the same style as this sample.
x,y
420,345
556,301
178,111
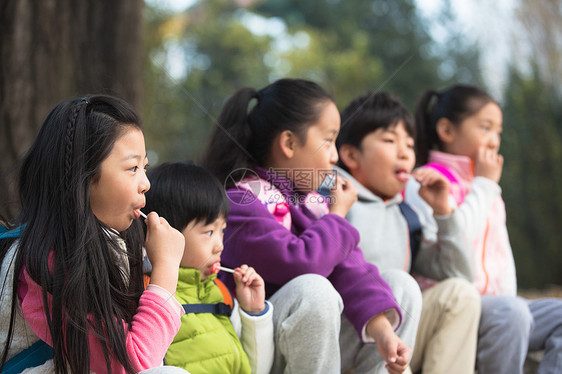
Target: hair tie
x,y
253,102
433,99
80,103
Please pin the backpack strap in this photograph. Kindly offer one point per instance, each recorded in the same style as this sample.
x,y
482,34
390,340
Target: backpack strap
x,y
39,352
145,280
218,308
414,227
223,309
13,233
35,355
225,292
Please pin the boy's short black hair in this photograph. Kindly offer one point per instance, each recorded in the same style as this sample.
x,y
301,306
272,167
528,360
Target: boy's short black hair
x,y
368,113
183,192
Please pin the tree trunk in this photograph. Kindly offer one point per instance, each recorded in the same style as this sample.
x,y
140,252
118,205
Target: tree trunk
x,y
52,50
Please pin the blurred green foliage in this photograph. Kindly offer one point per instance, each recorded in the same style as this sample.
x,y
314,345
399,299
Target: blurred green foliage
x,y
346,46
532,178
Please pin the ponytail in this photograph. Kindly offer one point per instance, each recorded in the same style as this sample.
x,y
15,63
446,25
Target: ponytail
x,y
426,134
230,140
244,133
455,103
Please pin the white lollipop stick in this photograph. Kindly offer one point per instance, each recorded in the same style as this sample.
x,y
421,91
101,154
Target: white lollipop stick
x,y
228,270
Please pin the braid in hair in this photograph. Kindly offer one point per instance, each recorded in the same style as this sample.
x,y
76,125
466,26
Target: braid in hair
x,y
69,141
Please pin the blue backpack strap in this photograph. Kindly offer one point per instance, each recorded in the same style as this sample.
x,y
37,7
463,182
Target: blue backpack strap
x,y
219,308
39,352
33,356
414,227
14,233
223,309
324,191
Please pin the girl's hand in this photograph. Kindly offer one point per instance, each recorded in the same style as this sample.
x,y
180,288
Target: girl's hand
x,y
164,247
434,189
393,350
489,164
403,353
250,289
343,196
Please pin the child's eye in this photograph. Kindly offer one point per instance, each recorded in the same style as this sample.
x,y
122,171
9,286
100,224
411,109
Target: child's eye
x,y
388,140
134,169
209,233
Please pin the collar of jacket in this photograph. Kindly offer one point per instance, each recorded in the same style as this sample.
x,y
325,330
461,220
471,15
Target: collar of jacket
x,y
462,165
191,278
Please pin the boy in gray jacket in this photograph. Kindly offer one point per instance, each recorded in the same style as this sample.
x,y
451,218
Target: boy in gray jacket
x,y
376,149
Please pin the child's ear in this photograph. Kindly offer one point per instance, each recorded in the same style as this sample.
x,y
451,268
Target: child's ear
x,y
445,130
349,155
287,142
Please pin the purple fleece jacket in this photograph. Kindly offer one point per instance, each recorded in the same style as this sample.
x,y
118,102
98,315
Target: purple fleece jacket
x,y
325,246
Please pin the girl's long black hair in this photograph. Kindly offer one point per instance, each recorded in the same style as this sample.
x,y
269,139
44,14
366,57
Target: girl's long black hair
x,y
454,103
64,247
244,132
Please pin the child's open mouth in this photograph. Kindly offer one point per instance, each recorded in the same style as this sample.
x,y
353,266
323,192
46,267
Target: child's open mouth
x,y
402,175
214,268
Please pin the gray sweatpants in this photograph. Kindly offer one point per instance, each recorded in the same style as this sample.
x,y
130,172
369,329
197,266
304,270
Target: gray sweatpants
x,y
365,358
306,322
311,335
510,327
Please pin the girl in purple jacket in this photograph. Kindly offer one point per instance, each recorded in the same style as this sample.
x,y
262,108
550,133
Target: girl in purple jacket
x,y
272,148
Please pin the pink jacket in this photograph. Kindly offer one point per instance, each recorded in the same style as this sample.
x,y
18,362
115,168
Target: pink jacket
x,y
152,330
483,211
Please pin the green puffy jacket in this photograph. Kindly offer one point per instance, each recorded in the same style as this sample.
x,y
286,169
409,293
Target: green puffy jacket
x,y
205,343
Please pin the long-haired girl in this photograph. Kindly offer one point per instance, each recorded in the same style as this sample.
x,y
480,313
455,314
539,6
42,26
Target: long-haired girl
x,y
72,271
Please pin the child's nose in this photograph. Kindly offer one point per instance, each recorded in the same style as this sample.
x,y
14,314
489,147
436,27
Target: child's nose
x,y
333,155
144,184
494,141
218,247
403,151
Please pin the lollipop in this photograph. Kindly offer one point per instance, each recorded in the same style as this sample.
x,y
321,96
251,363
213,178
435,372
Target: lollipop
x,y
141,213
216,267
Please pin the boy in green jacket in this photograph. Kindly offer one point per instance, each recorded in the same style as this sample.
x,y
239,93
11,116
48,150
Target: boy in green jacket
x,y
217,334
